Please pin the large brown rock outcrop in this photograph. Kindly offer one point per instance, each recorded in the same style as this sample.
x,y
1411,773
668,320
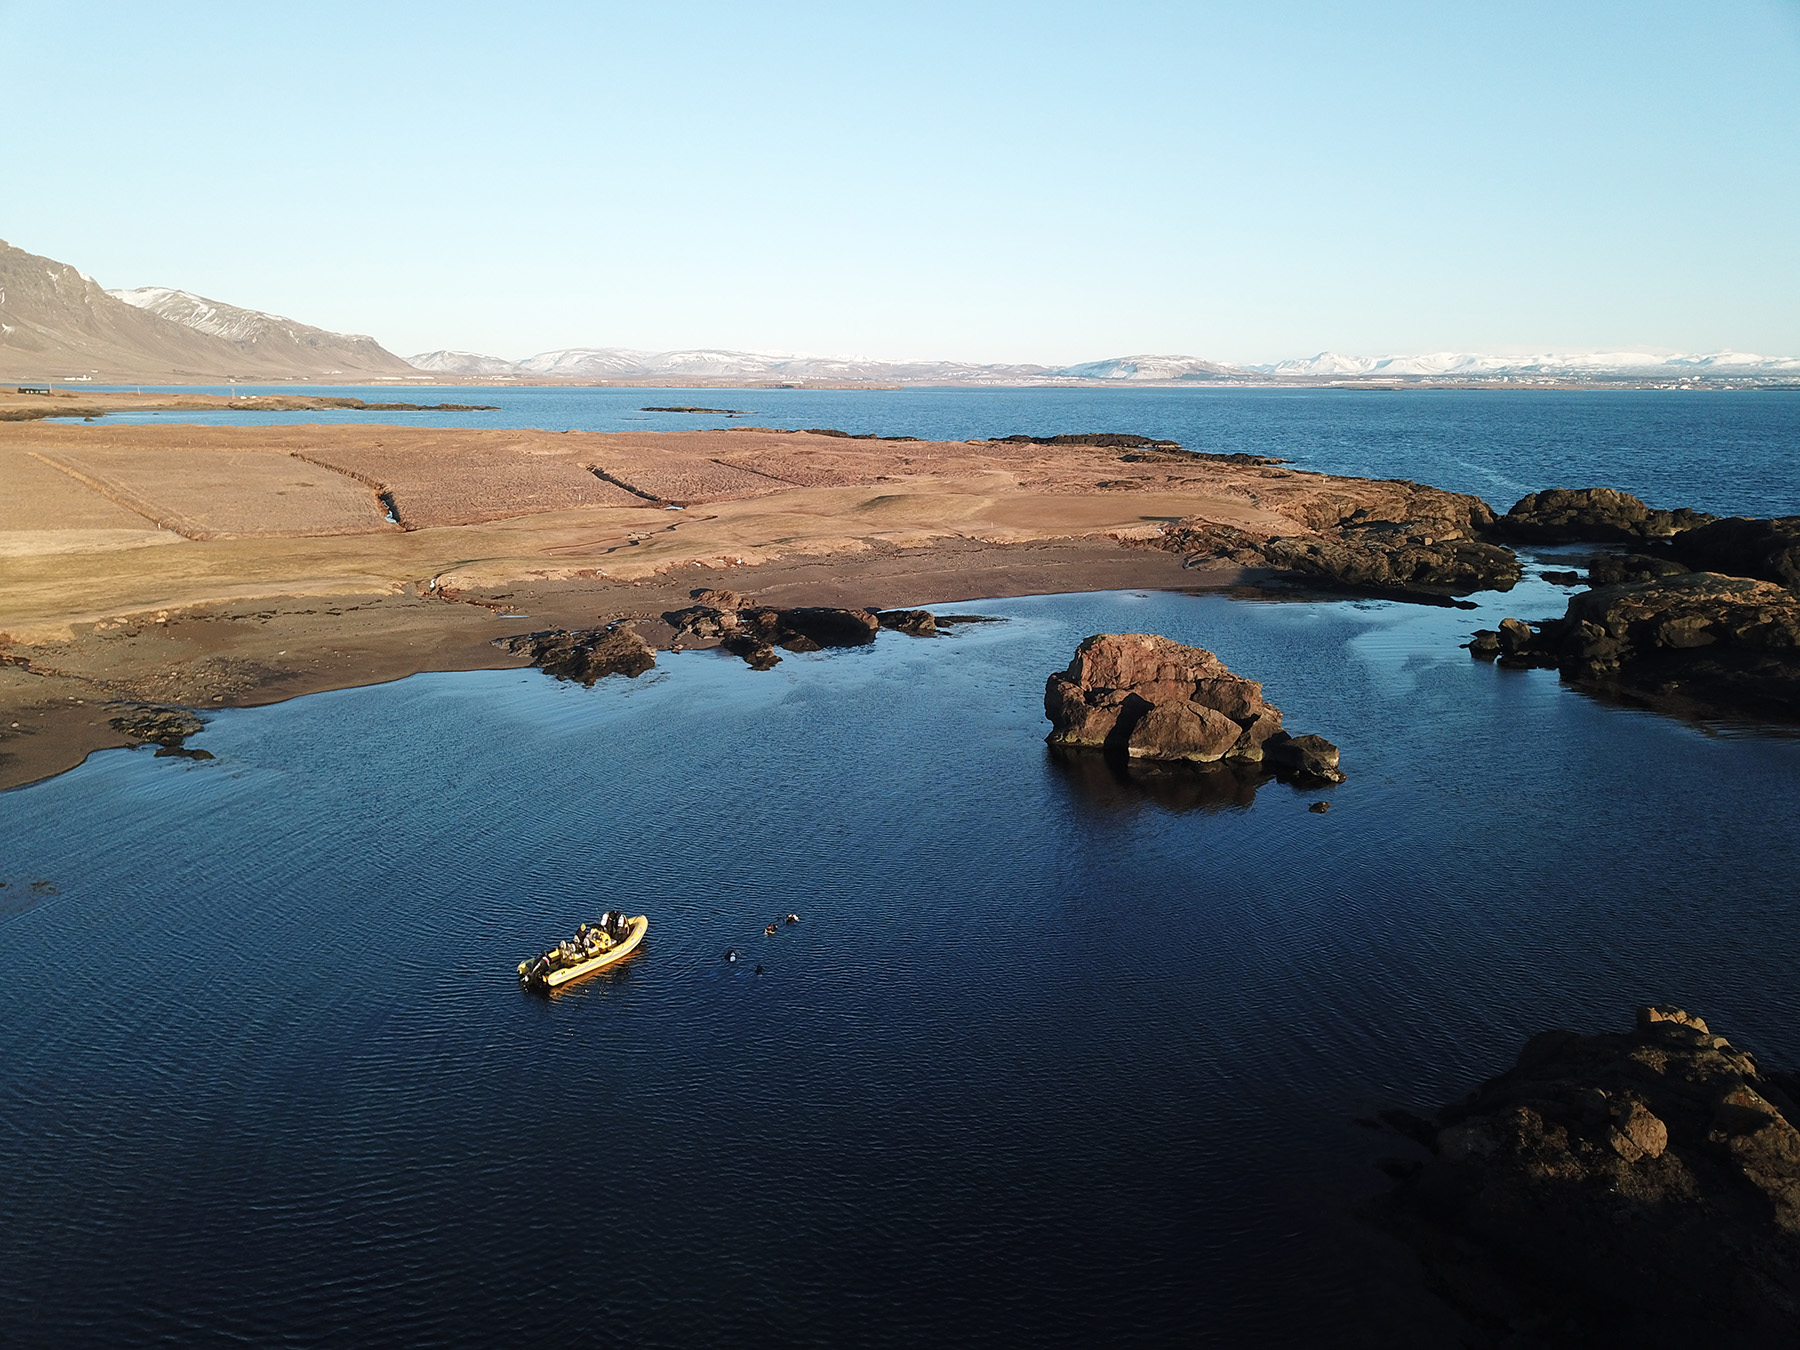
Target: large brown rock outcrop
x,y
1590,515
1695,642
1152,698
1634,1189
1391,538
1742,546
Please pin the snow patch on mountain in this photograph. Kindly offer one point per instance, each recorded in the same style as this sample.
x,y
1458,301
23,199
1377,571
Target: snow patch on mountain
x,y
1565,365
462,363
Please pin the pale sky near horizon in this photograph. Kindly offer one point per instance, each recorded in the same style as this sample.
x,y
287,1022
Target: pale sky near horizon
x,y
1000,182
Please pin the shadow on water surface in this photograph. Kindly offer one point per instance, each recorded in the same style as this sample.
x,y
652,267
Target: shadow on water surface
x,y
1112,783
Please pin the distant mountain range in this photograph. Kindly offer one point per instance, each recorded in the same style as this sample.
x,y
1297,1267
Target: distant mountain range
x,y
58,324
627,364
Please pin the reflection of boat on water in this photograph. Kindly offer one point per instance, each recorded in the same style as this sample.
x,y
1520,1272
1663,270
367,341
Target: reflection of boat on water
x,y
594,947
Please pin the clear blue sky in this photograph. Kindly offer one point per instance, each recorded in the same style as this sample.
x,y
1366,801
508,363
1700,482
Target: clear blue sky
x,y
1050,182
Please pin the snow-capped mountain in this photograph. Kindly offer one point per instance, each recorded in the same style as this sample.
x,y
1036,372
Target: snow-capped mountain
x,y
1153,368
1564,365
266,338
462,363
714,364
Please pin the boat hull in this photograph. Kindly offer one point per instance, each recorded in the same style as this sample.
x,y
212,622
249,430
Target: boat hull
x,y
556,979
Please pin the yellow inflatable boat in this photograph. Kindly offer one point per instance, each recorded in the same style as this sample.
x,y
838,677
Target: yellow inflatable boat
x,y
594,947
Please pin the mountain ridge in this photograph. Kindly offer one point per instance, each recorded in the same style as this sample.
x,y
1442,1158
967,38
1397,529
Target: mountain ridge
x,y
58,324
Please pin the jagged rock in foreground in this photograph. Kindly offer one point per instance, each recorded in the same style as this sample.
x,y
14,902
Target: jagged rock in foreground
x,y
584,654
1590,515
1155,699
1636,1189
1694,642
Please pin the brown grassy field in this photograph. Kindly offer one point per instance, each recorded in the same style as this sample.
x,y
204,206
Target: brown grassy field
x,y
275,570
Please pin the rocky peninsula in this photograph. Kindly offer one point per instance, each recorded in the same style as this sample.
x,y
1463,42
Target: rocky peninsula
x,y
1637,1188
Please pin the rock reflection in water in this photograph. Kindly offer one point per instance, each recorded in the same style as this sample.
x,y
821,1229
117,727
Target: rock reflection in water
x,y
1118,783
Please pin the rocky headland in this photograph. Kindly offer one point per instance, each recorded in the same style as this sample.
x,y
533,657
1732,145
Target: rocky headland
x,y
1150,698
1638,1188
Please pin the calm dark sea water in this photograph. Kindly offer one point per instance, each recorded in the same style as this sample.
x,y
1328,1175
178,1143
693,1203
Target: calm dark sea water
x,y
1733,453
1051,1057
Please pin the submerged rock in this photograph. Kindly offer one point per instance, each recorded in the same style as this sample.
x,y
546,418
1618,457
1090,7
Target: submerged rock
x,y
584,654
1638,1188
1151,698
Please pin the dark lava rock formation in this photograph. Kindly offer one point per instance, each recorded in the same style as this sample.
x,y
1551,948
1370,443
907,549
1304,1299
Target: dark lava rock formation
x,y
1400,540
1639,1189
584,654
167,727
1150,698
1742,546
1701,618
1104,440
755,631
1694,642
1590,515
915,622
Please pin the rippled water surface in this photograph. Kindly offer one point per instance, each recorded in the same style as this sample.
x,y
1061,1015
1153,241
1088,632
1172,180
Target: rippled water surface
x,y
1050,1058
1729,452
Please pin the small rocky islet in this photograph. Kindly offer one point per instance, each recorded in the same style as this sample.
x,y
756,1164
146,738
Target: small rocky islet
x,y
1634,1188
1150,698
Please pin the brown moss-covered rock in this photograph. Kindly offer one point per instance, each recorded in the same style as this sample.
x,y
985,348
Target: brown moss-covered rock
x,y
1638,1188
1151,698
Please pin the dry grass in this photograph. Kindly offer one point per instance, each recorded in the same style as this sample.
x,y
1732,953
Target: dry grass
x,y
220,494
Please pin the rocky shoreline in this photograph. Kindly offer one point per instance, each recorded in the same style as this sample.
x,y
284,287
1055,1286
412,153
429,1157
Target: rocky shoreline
x,y
1701,617
1636,1188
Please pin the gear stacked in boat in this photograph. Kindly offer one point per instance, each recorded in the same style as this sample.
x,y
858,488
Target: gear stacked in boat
x,y
594,947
